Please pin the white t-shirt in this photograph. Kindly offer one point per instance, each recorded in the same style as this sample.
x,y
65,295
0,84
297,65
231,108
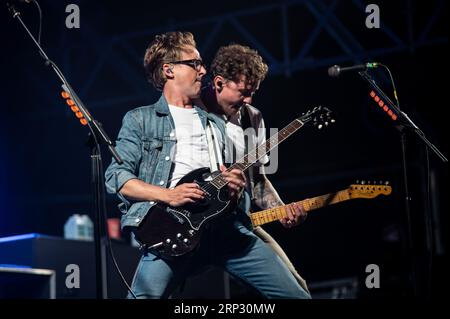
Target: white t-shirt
x,y
191,150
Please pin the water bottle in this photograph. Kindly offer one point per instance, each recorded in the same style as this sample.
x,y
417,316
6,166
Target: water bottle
x,y
88,228
71,227
79,227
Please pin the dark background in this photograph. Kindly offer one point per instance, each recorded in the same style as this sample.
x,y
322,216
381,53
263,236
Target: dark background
x,y
45,164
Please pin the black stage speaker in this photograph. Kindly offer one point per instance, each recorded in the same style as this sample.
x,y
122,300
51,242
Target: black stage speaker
x,y
59,254
26,283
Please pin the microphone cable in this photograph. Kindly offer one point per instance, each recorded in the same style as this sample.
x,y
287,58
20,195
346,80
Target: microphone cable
x,y
428,222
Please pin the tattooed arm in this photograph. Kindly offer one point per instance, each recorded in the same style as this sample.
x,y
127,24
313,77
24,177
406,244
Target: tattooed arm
x,y
266,196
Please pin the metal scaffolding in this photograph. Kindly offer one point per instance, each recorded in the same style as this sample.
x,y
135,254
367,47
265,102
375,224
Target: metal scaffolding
x,y
120,54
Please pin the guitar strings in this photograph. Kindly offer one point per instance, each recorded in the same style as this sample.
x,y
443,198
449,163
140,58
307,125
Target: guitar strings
x,y
271,143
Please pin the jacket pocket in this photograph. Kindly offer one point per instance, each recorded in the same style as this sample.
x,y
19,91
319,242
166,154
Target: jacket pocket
x,y
151,149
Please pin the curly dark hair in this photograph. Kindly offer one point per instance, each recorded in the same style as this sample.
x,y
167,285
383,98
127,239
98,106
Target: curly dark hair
x,y
165,47
234,60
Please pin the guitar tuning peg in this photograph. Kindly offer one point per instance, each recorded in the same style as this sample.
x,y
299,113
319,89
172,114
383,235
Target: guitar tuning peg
x,y
326,123
386,183
333,120
320,126
363,182
357,181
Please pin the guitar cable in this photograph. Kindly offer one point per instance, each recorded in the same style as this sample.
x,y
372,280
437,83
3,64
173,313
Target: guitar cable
x,y
108,239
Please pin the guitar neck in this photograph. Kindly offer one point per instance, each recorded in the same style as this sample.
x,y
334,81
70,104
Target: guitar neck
x,y
269,215
256,154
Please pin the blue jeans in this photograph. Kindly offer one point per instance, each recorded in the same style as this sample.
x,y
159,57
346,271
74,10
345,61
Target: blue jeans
x,y
229,245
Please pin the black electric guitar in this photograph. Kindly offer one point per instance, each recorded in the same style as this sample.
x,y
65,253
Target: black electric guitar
x,y
359,190
175,231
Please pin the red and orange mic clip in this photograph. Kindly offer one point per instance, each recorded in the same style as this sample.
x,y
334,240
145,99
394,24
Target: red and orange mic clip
x,y
383,105
74,108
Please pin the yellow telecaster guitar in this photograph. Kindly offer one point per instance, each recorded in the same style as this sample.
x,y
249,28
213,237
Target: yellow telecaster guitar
x,y
354,191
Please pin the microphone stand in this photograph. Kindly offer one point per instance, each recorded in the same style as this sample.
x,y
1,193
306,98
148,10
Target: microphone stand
x,y
405,123
97,136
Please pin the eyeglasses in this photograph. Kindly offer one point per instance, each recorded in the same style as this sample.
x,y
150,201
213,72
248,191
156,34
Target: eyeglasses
x,y
196,64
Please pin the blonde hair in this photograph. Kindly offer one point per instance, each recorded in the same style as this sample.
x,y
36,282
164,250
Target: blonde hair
x,y
164,48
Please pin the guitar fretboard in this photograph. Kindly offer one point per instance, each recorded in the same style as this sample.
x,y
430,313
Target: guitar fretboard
x,y
269,215
256,154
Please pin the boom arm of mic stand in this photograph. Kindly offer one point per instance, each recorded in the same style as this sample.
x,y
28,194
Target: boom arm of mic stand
x,y
93,125
403,117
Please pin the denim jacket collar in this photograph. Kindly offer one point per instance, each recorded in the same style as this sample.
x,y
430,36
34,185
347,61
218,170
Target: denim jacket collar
x,y
161,106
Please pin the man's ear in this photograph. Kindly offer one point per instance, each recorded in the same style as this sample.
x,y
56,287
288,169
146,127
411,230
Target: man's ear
x,y
218,83
168,71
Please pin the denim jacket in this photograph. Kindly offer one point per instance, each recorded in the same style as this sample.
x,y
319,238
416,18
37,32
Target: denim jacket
x,y
144,143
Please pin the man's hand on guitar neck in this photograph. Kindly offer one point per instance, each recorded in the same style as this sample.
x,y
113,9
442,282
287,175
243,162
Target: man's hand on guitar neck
x,y
296,214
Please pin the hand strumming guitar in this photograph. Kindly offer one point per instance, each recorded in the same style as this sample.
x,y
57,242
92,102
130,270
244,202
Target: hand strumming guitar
x,y
236,181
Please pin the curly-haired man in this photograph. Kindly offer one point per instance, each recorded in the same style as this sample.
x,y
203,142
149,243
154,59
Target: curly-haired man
x,y
237,72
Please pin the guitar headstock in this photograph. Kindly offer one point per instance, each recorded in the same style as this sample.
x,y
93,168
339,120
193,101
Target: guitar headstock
x,y
368,190
319,117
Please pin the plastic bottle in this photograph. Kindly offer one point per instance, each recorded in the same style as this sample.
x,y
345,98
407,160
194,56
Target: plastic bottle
x,y
79,227
88,228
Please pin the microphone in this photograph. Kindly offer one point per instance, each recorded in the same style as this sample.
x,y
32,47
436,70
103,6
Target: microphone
x,y
336,70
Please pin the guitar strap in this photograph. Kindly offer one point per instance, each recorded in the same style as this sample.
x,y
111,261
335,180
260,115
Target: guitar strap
x,y
215,154
245,124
